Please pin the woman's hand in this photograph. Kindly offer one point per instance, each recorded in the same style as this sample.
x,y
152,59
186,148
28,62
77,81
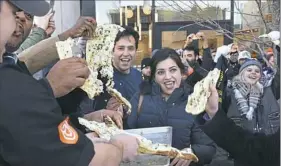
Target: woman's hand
x,y
213,102
180,162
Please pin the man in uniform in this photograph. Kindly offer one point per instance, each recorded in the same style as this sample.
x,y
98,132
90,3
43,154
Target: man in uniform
x,y
33,130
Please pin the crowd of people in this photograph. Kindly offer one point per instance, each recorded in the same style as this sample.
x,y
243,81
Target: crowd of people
x,y
40,98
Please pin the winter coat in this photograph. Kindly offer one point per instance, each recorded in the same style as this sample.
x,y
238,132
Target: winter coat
x,y
266,119
156,112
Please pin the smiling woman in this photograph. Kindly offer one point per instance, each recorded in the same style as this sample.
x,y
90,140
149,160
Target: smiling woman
x,y
167,70
161,102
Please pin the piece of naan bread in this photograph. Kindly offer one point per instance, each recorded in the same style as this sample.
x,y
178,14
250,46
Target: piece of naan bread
x,y
108,129
197,101
64,48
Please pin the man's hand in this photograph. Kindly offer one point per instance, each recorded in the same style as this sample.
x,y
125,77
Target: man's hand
x,y
129,145
202,36
213,102
67,74
84,27
189,40
116,116
43,22
51,27
95,138
113,104
180,162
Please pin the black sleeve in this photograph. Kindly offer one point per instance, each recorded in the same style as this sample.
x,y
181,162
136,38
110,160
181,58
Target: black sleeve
x,y
208,63
193,78
202,145
33,131
70,103
275,86
249,148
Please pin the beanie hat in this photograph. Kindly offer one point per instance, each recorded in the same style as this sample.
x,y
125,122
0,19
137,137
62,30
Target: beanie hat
x,y
250,62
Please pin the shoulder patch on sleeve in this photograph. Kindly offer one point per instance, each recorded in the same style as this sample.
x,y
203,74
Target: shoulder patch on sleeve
x,y
67,133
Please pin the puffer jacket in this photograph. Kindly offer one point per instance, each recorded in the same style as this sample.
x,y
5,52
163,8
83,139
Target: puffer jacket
x,y
156,112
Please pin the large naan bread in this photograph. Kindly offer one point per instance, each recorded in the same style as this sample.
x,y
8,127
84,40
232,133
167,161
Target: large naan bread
x,y
99,54
198,99
108,129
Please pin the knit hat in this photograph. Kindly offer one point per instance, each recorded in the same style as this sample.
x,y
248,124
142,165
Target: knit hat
x,y
250,62
244,55
145,62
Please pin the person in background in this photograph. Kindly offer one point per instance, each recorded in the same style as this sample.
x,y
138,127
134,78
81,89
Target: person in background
x,y
253,149
233,65
229,54
162,103
243,56
270,58
145,68
195,71
43,28
206,59
251,104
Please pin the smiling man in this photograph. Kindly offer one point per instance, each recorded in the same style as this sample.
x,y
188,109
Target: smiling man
x,y
126,78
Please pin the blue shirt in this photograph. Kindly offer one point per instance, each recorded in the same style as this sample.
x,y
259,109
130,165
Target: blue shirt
x,y
126,84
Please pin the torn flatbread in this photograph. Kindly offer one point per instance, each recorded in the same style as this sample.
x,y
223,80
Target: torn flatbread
x,y
197,101
108,129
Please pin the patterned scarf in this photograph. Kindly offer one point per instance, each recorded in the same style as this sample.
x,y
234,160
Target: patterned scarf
x,y
246,95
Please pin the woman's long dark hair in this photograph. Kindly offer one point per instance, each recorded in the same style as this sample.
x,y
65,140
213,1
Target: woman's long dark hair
x,y
160,56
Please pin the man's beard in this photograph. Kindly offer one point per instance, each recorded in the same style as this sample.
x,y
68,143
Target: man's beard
x,y
13,46
192,63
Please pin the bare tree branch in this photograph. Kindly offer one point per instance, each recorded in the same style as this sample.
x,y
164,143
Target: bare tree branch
x,y
258,2
202,20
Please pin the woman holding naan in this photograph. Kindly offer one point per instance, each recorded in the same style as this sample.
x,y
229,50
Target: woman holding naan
x,y
162,101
